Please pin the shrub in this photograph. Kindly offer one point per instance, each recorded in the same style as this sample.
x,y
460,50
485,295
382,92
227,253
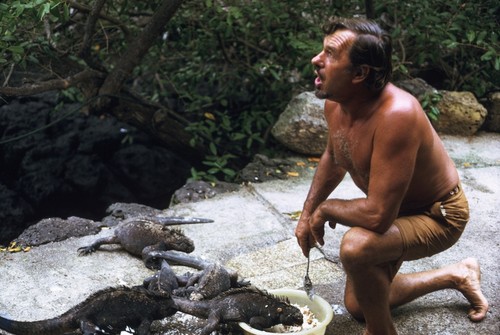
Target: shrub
x,y
453,44
232,69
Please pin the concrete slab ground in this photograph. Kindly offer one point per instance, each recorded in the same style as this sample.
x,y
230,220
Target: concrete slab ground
x,y
253,234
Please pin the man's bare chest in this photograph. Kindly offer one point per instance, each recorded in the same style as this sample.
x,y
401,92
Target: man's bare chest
x,y
352,149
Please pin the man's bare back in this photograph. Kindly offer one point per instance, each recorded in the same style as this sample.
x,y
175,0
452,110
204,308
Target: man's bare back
x,y
352,138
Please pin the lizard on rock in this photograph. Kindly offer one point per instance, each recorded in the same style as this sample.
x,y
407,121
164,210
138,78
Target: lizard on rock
x,y
141,235
247,304
164,280
212,280
108,311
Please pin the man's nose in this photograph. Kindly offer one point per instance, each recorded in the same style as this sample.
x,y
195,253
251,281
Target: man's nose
x,y
316,60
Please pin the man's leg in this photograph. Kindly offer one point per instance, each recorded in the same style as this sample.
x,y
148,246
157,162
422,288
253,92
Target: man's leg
x,y
369,291
464,276
365,256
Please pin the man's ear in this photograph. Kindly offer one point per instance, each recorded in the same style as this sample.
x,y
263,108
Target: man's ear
x,y
361,72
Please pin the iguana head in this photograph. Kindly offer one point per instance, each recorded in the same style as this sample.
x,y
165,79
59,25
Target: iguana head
x,y
176,240
289,315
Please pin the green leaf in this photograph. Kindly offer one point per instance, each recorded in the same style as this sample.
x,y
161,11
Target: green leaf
x,y
481,36
274,74
435,111
213,170
471,35
213,148
16,49
488,55
238,136
229,172
450,44
432,116
44,10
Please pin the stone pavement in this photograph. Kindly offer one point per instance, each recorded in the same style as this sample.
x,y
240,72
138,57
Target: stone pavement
x,y
253,234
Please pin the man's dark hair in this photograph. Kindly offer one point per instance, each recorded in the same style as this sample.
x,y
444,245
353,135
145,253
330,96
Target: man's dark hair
x,y
372,47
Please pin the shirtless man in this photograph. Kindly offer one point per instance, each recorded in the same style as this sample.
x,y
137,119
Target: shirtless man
x,y
414,205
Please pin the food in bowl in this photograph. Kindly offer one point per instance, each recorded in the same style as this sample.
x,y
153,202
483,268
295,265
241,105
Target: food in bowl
x,y
310,321
321,309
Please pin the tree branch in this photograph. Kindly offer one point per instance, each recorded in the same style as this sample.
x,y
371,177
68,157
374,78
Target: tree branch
x,y
139,47
51,85
114,21
7,77
84,52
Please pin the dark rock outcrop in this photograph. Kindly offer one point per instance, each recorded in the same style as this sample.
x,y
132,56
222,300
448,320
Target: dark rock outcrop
x,y
197,190
60,163
492,103
57,229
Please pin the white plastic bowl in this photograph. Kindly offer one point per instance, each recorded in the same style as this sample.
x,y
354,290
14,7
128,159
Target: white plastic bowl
x,y
319,306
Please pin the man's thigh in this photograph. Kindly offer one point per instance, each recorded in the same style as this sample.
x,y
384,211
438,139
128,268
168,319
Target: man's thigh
x,y
423,236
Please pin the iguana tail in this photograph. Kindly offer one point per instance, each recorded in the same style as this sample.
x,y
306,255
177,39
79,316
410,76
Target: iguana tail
x,y
55,326
200,309
180,258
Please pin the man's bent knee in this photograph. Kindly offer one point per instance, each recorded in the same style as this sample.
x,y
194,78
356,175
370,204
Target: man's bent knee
x,y
355,246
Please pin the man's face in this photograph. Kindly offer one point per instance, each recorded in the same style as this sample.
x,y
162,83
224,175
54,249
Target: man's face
x,y
333,67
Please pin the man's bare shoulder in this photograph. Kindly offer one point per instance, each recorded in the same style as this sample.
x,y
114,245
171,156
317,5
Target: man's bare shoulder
x,y
398,100
400,108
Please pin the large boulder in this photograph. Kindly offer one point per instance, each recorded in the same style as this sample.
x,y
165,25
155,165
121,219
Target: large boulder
x,y
302,127
417,87
460,114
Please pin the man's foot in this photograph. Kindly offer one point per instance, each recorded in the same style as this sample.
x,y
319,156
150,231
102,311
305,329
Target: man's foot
x,y
470,287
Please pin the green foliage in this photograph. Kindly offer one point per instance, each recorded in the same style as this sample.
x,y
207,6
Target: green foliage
x,y
429,104
456,38
234,69
218,165
20,26
48,32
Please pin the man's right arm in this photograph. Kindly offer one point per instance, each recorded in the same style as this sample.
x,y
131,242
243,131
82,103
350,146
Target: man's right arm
x,y
327,177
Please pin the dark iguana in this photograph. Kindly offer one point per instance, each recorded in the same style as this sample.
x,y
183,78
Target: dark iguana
x,y
140,235
164,280
212,280
247,304
108,311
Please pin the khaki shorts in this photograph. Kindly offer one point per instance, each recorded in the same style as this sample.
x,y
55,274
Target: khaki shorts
x,y
435,230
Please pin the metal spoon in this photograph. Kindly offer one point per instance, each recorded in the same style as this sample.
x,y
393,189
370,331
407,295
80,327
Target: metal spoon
x,y
308,286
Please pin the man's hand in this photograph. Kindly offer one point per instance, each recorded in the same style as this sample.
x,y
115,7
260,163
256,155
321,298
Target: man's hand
x,y
303,234
317,227
310,231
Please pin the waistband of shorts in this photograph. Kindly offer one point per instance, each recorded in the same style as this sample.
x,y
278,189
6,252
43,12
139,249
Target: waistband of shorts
x,y
454,191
